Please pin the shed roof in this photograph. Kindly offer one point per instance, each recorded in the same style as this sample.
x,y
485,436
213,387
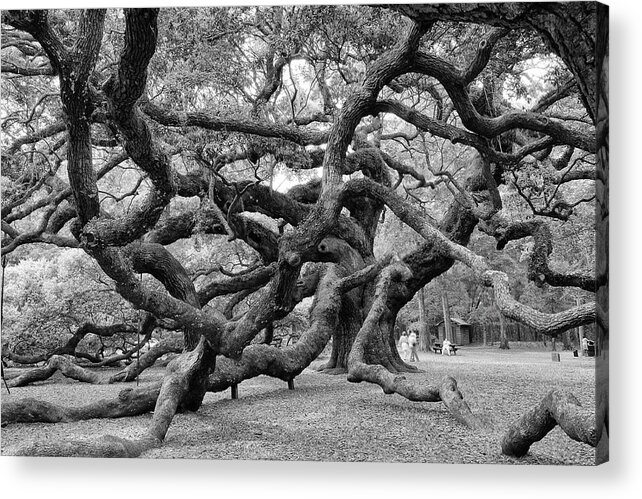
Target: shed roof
x,y
457,321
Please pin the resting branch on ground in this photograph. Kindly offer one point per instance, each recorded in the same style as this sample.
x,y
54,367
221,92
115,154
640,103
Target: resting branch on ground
x,y
180,384
556,408
370,334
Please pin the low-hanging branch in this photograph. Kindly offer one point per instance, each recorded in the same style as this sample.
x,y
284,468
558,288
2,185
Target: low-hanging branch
x,y
286,363
173,344
538,267
549,324
207,121
178,385
130,402
54,364
359,370
59,362
69,348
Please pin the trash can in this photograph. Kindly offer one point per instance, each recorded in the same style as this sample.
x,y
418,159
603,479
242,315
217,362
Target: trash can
x,y
575,354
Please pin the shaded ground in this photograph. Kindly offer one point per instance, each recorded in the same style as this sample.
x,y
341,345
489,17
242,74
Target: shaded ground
x,y
327,419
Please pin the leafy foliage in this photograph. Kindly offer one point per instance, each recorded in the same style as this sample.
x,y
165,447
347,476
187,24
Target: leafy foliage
x,y
48,298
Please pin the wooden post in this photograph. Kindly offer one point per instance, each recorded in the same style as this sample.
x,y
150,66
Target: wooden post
x,y
235,391
448,331
291,384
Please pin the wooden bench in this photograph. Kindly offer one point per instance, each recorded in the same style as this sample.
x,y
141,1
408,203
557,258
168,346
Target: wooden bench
x,y
437,348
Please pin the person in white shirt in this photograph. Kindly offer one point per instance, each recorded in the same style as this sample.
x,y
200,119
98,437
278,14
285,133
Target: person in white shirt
x,y
585,345
403,346
446,348
412,343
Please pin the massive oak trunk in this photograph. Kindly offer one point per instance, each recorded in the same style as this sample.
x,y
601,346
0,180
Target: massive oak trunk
x,y
343,336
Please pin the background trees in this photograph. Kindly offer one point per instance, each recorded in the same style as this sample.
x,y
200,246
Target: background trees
x,y
258,154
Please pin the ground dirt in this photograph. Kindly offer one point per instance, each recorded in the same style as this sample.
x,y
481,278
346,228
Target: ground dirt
x,y
328,419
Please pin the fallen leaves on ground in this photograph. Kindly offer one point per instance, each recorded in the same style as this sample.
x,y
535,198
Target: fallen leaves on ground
x,y
328,419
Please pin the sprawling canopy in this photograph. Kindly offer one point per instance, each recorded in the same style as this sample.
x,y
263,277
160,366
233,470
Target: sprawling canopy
x,y
221,165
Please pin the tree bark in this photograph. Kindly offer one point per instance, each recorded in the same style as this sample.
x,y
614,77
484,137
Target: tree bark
x,y
133,370
565,38
54,364
359,370
183,388
343,337
286,363
602,238
130,402
556,408
503,339
69,348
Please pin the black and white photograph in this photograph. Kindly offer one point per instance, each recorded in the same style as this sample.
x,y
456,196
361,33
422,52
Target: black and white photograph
x,y
331,233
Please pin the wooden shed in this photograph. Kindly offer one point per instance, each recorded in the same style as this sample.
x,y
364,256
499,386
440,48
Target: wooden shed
x,y
461,331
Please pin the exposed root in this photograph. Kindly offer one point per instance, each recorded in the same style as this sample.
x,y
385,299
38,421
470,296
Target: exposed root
x,y
556,408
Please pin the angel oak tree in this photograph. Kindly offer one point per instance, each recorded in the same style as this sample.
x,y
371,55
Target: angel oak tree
x,y
416,110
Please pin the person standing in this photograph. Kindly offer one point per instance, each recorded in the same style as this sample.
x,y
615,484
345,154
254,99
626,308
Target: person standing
x,y
403,346
585,345
412,343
